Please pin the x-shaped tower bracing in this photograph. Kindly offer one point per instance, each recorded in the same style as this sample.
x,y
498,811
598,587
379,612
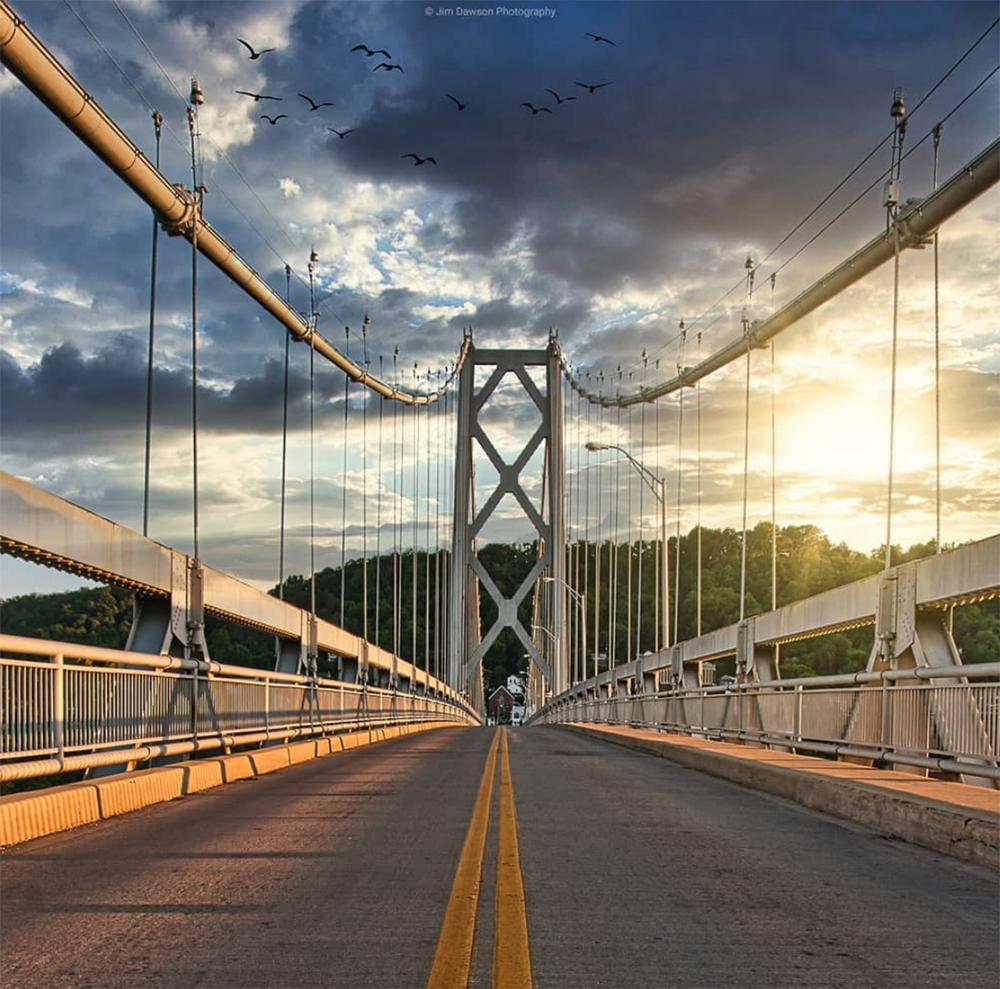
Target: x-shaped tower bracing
x,y
467,649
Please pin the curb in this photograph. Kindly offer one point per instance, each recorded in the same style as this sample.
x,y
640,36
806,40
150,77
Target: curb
x,y
965,832
24,816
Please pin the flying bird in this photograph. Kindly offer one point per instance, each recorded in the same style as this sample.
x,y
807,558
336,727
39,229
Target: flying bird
x,y
417,160
536,109
254,55
592,88
368,51
273,120
387,67
457,103
598,37
313,105
341,133
257,97
560,99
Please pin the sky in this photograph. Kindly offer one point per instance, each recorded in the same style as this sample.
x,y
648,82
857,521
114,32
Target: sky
x,y
609,219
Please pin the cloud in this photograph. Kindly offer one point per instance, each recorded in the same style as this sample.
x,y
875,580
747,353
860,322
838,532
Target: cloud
x,y
609,221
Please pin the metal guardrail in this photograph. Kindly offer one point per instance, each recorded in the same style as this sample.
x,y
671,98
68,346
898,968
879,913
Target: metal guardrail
x,y
76,707
954,727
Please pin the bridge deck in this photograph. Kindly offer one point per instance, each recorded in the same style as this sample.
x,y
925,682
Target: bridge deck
x,y
637,872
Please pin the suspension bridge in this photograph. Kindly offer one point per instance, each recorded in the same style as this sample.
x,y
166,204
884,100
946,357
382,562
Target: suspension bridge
x,y
406,840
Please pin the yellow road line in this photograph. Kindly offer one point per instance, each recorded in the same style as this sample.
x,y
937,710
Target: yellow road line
x,y
511,958
453,956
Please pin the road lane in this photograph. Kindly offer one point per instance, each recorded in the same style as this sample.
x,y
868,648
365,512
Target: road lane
x,y
335,872
456,940
511,954
638,872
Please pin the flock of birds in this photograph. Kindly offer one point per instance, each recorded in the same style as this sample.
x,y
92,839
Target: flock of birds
x,y
390,66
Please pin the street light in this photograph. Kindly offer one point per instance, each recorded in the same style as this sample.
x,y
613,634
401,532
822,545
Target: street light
x,y
582,601
659,488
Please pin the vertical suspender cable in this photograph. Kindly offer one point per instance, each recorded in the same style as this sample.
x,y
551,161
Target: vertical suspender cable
x,y
899,133
937,368
599,481
438,445
396,503
571,550
312,453
343,483
680,464
378,514
284,445
892,395
158,127
629,654
416,502
746,440
659,592
613,578
586,543
581,547
364,487
774,472
193,127
746,460
448,532
698,471
427,536
642,493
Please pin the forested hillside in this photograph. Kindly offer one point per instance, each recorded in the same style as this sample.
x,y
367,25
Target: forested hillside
x,y
807,564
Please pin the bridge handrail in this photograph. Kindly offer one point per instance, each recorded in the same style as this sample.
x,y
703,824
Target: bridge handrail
x,y
892,716
78,706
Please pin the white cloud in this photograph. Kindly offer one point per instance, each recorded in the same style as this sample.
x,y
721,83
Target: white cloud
x,y
289,187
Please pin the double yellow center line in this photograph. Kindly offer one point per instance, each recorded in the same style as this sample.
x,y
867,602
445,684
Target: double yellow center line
x,y
511,958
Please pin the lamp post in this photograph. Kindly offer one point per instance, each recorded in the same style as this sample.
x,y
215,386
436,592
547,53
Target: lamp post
x,y
555,642
581,599
659,488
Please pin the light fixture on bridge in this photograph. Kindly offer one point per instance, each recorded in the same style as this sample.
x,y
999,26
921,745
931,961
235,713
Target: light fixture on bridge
x,y
197,97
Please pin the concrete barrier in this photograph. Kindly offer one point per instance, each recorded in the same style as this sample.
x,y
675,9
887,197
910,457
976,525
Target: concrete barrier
x,y
954,818
24,816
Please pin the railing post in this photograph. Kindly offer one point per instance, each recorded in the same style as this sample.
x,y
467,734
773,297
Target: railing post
x,y
267,704
797,728
886,715
194,702
59,707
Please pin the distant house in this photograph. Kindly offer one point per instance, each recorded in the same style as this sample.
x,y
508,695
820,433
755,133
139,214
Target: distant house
x,y
499,705
515,684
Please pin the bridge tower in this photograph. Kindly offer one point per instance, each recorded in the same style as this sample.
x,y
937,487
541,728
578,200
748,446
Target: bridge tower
x,y
467,646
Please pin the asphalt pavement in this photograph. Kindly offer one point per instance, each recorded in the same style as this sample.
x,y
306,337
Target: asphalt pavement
x,y
636,872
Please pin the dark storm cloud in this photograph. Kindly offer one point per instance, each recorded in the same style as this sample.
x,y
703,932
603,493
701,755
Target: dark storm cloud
x,y
71,404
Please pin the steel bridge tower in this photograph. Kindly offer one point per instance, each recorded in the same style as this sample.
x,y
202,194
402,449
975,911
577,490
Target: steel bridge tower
x,y
467,646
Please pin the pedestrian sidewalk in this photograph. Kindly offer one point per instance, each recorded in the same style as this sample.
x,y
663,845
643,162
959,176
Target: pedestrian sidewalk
x,y
954,818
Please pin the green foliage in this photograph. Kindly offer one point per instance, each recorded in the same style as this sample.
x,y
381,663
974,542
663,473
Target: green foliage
x,y
807,563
